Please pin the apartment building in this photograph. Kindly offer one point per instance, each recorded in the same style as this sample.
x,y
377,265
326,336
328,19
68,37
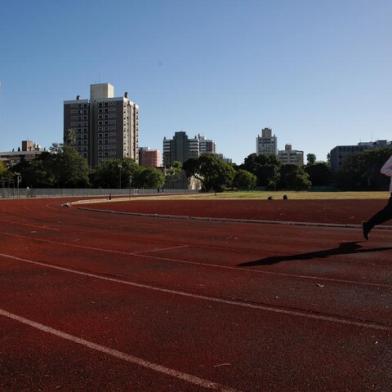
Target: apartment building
x,y
103,127
340,153
150,158
206,146
266,143
181,148
288,156
27,152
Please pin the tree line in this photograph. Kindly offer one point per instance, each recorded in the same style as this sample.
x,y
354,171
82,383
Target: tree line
x,y
67,169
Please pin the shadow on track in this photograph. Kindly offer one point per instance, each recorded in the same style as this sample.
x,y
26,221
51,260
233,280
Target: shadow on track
x,y
344,248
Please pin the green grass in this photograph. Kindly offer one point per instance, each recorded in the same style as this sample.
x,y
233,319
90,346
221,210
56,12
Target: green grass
x,y
263,195
252,195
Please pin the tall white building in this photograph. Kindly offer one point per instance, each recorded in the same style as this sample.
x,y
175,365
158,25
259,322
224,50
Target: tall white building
x,y
266,143
104,127
288,156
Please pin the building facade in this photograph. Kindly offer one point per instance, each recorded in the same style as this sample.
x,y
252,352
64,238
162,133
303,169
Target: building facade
x,y
288,156
340,153
206,146
150,158
27,152
181,148
266,143
104,127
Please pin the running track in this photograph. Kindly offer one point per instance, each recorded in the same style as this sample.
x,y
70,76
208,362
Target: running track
x,y
99,301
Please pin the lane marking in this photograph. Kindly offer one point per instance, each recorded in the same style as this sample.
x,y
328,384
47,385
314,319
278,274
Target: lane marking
x,y
206,265
44,227
119,354
232,220
140,253
242,304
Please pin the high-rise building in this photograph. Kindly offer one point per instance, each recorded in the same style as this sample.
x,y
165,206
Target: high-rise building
x,y
288,156
104,127
266,143
181,148
151,158
340,153
206,146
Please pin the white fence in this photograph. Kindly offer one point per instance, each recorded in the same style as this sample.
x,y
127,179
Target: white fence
x,y
14,193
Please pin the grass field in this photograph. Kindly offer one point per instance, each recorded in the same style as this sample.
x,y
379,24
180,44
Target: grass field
x,y
260,195
291,195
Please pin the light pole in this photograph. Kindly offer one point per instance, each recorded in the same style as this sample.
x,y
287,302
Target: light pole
x,y
120,167
18,181
130,185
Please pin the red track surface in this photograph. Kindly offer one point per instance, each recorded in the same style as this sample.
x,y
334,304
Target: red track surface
x,y
321,211
96,301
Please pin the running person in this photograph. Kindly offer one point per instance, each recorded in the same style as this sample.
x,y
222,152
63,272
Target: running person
x,y
386,213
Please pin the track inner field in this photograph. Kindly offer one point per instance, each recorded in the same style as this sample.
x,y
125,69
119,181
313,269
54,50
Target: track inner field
x,y
280,306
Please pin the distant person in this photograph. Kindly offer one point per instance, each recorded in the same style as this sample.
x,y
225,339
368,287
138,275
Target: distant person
x,y
386,213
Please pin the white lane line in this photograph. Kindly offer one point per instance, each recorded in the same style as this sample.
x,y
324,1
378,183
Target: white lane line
x,y
119,354
159,249
37,226
232,220
266,308
205,265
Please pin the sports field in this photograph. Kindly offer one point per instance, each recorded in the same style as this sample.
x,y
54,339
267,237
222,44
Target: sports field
x,y
191,295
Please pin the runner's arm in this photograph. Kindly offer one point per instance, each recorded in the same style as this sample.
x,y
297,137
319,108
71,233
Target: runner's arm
x,y
387,168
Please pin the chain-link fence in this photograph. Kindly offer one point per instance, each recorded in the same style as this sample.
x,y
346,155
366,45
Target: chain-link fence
x,y
15,193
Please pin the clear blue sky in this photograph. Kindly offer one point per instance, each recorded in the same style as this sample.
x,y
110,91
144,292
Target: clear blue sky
x,y
317,72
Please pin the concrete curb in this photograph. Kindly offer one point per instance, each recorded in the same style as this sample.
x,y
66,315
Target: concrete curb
x,y
232,220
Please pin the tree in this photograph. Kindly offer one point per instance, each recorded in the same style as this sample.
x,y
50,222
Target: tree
x,y
70,137
149,177
3,170
71,169
190,166
115,172
264,167
244,180
64,169
214,173
362,171
311,159
268,174
38,173
319,173
294,177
